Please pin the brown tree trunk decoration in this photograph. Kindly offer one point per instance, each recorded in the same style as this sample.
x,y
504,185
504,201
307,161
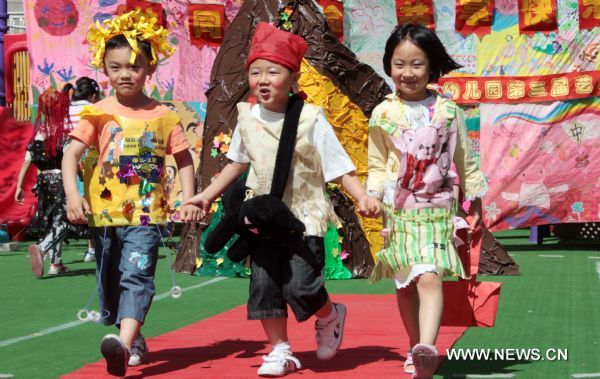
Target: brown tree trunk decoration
x,y
229,86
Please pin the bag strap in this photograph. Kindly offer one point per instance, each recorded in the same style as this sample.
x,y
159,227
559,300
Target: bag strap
x,y
287,145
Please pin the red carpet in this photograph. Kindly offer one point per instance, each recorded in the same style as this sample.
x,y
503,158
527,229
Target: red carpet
x,y
229,346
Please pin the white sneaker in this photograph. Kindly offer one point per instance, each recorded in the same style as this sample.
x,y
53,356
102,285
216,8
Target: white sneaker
x,y
138,349
329,336
279,363
89,256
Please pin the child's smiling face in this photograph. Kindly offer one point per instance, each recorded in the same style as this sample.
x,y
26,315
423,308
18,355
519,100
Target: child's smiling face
x,y
410,71
270,83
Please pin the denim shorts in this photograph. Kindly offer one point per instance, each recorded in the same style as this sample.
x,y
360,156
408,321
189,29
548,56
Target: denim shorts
x,y
125,264
287,272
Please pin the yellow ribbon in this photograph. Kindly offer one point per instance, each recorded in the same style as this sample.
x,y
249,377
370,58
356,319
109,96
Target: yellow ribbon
x,y
134,26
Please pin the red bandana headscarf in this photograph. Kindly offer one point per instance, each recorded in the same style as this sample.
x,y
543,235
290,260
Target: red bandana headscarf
x,y
277,46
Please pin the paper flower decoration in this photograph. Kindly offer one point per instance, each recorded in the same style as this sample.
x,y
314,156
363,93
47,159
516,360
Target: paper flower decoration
x,y
135,25
144,220
128,208
220,144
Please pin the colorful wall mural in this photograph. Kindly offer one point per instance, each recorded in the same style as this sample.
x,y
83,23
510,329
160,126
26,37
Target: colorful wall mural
x,y
537,152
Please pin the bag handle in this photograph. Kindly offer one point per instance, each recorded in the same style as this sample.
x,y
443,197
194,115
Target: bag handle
x,y
287,145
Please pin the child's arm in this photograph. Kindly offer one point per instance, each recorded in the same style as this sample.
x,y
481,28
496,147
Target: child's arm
x,y
185,167
368,206
77,206
19,191
226,177
377,162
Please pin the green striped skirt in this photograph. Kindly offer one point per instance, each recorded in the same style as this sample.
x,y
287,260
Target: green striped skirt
x,y
419,236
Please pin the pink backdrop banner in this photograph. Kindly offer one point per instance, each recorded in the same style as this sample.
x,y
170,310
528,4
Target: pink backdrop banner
x,y
542,163
56,31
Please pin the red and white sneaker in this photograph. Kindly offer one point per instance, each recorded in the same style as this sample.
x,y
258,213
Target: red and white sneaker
x,y
425,360
57,269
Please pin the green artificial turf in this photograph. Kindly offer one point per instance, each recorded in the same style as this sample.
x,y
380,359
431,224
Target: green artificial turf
x,y
553,304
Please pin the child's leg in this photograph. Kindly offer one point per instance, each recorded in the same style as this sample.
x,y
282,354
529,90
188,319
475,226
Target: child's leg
x,y
137,265
325,310
431,298
305,292
276,330
135,278
89,255
266,304
408,304
129,330
52,242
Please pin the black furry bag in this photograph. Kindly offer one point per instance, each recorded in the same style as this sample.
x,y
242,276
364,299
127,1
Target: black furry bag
x,y
263,216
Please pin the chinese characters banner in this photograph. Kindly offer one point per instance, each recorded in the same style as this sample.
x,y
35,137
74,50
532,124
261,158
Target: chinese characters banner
x,y
474,16
415,12
153,8
207,24
516,89
589,14
334,11
537,16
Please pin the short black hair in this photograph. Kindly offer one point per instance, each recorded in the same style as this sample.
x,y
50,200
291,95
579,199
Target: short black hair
x,y
440,62
119,42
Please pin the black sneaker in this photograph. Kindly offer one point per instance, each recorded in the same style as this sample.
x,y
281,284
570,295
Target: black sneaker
x,y
116,354
138,350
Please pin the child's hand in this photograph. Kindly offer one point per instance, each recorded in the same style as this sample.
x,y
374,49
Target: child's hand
x,y
369,206
77,209
475,210
191,213
19,196
200,201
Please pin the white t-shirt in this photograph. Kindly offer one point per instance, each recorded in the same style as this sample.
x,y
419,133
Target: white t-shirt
x,y
75,108
335,162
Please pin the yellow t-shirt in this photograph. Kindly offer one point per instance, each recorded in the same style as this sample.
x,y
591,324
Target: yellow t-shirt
x,y
124,173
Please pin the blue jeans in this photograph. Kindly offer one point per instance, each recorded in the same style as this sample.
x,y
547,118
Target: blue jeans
x,y
125,265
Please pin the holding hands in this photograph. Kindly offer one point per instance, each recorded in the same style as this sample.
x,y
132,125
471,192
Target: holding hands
x,y
196,208
475,211
369,206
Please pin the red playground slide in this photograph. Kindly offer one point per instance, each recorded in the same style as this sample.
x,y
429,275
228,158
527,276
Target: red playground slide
x,y
14,136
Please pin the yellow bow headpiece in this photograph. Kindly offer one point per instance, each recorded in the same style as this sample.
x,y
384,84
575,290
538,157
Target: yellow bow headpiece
x,y
135,25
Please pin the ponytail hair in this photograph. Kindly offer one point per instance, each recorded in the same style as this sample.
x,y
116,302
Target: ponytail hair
x,y
83,89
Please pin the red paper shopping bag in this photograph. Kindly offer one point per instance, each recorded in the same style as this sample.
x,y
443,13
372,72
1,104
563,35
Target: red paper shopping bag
x,y
470,303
